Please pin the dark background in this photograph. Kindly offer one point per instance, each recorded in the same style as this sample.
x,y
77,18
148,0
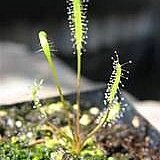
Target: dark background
x,y
130,27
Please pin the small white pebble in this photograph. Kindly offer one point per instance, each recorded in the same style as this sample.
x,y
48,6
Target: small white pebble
x,y
122,98
136,122
3,113
85,119
75,106
18,124
94,110
10,122
29,134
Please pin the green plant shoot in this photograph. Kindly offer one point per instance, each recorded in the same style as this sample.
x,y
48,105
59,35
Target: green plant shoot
x,y
78,23
114,81
114,109
47,52
78,26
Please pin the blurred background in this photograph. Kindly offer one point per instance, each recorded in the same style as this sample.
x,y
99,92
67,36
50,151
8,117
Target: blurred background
x,y
130,27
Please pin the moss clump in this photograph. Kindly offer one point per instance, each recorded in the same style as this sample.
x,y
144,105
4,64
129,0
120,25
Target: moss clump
x,y
15,151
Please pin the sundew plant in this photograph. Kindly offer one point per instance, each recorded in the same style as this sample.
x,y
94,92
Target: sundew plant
x,y
75,139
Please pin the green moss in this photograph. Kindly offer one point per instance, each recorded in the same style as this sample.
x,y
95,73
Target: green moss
x,y
15,151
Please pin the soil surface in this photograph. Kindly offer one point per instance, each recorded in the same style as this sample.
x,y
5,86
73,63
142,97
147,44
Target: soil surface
x,y
124,142
134,143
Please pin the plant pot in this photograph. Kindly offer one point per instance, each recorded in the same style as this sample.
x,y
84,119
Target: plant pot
x,y
131,119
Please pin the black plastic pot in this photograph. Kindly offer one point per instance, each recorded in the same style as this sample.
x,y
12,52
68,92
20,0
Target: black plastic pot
x,y
95,98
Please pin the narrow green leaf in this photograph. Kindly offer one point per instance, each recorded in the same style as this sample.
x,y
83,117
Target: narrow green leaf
x,y
78,23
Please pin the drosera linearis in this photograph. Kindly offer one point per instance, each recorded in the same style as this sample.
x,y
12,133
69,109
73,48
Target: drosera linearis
x,y
47,52
77,10
46,48
114,106
115,79
112,100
